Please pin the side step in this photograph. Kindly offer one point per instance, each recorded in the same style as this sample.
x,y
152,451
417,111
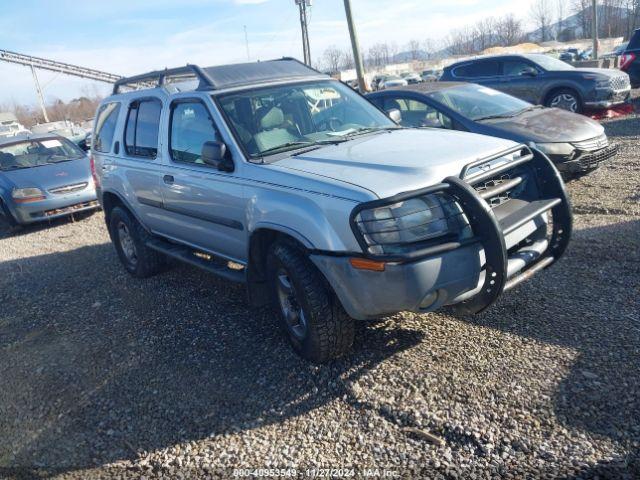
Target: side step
x,y
532,210
187,255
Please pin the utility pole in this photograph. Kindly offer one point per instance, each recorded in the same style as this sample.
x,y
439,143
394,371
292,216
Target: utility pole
x,y
357,58
246,43
304,26
594,28
39,92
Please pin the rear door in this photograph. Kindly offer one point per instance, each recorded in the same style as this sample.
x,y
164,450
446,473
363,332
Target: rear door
x,y
484,72
140,159
205,205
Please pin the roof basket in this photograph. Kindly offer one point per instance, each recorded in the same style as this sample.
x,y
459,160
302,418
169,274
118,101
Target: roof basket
x,y
160,78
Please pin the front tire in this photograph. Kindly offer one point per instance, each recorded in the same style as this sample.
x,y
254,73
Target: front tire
x,y
129,239
566,99
315,323
8,217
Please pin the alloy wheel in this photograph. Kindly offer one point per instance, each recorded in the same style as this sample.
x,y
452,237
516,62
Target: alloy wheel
x,y
127,244
290,305
565,101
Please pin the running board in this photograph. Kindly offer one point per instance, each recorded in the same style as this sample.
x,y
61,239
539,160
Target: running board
x,y
518,218
197,259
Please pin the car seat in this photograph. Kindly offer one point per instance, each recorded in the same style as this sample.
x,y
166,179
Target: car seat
x,y
273,131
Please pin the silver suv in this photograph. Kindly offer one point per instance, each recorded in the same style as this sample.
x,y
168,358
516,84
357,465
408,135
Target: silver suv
x,y
276,176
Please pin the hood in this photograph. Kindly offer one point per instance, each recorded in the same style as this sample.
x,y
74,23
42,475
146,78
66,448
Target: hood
x,y
541,125
601,72
397,161
50,176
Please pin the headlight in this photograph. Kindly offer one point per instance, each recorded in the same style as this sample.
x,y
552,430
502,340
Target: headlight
x,y
406,225
601,83
29,194
565,149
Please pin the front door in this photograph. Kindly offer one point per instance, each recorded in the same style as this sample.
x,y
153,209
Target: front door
x,y
205,205
519,80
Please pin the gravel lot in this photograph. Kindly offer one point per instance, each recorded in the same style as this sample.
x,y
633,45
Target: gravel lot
x,y
103,375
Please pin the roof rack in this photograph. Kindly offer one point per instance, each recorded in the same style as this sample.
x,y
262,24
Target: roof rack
x,y
158,78
224,76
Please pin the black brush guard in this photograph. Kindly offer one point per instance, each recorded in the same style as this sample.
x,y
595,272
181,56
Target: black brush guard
x,y
490,232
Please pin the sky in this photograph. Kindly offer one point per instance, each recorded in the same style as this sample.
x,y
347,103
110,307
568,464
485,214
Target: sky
x,y
127,37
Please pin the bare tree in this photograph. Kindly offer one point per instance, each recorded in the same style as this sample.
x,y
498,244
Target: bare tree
x,y
484,34
509,30
582,11
541,14
560,13
332,58
413,47
460,42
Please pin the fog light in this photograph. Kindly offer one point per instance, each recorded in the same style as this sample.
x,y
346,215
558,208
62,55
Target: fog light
x,y
428,300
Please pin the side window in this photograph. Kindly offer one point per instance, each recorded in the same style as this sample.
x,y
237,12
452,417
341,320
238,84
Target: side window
x,y
487,68
141,133
418,114
191,126
105,127
516,67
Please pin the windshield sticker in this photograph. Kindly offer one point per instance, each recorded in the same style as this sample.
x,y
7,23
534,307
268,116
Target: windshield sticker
x,y
51,143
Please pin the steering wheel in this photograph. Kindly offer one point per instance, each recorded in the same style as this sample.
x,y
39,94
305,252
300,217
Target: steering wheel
x,y
475,110
332,123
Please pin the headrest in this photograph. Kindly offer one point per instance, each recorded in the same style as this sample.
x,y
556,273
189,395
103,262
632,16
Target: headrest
x,y
272,119
390,104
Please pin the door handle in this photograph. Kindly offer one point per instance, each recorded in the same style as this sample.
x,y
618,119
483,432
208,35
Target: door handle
x,y
168,179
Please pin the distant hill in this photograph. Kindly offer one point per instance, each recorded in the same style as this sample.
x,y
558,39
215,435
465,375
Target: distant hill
x,y
568,29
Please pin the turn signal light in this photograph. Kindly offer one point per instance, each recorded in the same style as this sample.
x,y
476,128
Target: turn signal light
x,y
366,264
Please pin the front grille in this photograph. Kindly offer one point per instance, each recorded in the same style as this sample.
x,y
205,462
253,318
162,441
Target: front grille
x,y
486,186
620,83
594,159
592,144
63,210
498,190
69,188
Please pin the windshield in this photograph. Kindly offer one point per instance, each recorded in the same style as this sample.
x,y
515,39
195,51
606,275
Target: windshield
x,y
35,153
277,119
476,102
549,63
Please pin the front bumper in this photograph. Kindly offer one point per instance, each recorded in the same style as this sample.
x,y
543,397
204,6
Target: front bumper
x,y
470,275
586,161
54,206
608,99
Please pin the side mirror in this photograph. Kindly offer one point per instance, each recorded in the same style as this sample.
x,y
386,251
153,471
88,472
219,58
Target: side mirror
x,y
529,72
215,154
394,114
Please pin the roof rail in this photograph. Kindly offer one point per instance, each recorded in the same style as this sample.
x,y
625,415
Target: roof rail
x,y
159,78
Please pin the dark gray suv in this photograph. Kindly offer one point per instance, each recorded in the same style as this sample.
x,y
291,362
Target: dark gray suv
x,y
545,80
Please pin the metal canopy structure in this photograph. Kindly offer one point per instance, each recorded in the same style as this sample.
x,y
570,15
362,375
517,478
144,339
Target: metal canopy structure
x,y
53,66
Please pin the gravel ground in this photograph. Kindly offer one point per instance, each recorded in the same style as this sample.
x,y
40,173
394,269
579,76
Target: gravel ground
x,y
106,376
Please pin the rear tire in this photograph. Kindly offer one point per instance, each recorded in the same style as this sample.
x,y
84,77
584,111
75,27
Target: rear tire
x,y
129,239
315,323
566,99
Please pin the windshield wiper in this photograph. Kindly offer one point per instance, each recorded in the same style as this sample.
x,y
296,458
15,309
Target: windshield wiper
x,y
286,147
509,115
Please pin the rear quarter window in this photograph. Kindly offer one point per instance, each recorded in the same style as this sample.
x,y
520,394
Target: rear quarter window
x,y
105,128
